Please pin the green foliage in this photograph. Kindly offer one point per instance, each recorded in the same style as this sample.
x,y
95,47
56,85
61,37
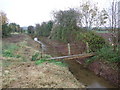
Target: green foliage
x,y
60,33
106,54
66,25
35,56
95,42
44,29
15,27
6,30
31,30
67,18
50,61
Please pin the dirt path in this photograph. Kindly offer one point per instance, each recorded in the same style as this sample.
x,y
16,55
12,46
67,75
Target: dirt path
x,y
20,72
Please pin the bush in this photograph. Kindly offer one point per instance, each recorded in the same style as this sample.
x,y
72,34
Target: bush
x,y
6,30
106,54
95,42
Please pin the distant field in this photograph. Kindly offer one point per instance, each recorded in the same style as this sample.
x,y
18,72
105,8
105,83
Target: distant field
x,y
102,31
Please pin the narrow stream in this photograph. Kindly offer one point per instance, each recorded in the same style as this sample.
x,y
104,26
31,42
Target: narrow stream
x,y
87,77
83,75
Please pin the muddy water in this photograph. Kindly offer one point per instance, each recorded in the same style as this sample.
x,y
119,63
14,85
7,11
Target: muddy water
x,y
87,77
82,74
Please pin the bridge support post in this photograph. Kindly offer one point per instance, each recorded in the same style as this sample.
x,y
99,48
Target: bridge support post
x,y
41,51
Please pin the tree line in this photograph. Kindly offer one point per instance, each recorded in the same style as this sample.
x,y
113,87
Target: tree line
x,y
8,28
85,17
73,25
41,30
70,25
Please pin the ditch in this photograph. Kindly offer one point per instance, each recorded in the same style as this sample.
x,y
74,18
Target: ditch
x,y
83,75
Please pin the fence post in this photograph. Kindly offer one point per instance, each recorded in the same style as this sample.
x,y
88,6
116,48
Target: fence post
x,y
69,49
87,46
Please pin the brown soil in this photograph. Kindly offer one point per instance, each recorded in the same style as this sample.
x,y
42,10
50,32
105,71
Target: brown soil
x,y
14,38
28,75
23,73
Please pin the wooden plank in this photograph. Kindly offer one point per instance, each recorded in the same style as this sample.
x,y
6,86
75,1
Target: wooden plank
x,y
72,56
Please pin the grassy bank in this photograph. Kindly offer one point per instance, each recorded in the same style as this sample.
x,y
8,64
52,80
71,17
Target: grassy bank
x,y
23,66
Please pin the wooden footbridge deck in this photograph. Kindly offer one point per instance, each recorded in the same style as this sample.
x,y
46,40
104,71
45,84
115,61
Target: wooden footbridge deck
x,y
72,57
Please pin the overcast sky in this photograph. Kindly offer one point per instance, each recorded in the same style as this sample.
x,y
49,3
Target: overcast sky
x,y
30,12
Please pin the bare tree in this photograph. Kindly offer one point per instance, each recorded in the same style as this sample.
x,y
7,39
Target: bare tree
x,y
91,16
113,23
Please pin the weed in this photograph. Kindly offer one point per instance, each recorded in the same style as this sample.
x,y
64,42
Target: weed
x,y
35,56
7,53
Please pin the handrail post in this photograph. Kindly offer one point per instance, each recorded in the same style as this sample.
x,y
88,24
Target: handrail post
x,y
69,49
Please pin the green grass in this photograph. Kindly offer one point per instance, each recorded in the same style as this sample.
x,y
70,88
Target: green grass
x,y
9,46
60,63
8,50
